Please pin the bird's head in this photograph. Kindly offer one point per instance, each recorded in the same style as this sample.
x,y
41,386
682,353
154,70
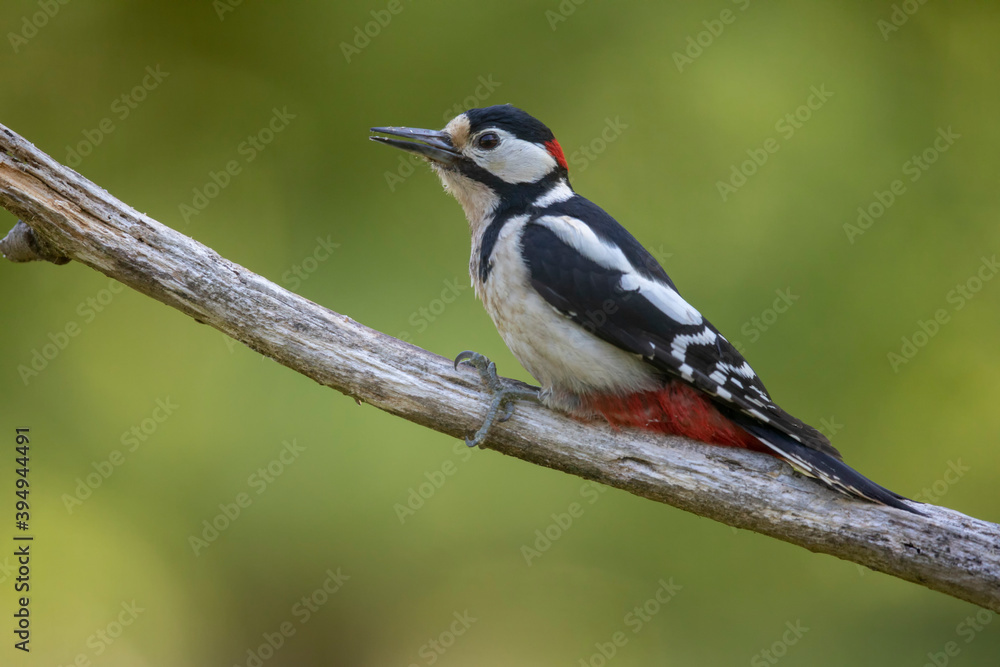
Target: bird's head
x,y
489,158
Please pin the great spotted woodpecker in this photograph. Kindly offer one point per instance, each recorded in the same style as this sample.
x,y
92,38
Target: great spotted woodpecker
x,y
590,313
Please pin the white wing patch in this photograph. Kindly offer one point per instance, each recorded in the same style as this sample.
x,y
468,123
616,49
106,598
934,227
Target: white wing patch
x,y
727,374
669,302
681,341
729,369
733,382
578,235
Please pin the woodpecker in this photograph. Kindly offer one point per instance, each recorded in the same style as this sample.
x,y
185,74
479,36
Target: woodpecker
x,y
590,313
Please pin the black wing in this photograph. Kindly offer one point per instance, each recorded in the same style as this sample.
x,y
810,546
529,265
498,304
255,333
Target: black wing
x,y
592,296
591,292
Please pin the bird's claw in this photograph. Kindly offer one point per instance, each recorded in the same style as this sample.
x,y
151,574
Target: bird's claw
x,y
502,406
465,356
487,369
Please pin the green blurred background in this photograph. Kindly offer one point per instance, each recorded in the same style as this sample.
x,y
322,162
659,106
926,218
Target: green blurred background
x,y
401,249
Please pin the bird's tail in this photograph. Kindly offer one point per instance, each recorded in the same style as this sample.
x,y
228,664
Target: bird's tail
x,y
828,469
681,410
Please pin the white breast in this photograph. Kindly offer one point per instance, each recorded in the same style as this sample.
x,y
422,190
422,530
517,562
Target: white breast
x,y
566,359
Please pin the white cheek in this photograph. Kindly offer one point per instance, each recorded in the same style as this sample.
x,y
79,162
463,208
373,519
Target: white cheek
x,y
516,161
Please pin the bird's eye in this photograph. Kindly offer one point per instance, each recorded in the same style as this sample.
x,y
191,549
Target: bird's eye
x,y
488,141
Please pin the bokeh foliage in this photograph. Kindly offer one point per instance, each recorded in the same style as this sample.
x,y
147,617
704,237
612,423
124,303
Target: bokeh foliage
x,y
400,265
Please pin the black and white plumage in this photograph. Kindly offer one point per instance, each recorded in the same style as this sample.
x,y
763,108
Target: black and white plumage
x,y
590,313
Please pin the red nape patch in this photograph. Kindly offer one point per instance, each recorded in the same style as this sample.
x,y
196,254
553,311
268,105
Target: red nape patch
x,y
676,409
555,150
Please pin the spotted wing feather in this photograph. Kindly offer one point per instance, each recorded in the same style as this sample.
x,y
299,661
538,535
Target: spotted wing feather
x,y
592,296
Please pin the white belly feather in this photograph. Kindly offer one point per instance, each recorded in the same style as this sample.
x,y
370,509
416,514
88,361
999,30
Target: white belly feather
x,y
561,355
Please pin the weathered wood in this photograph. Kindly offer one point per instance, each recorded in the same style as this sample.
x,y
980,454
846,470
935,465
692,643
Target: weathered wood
x,y
71,217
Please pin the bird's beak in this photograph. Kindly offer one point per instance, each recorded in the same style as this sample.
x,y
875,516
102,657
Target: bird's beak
x,y
433,144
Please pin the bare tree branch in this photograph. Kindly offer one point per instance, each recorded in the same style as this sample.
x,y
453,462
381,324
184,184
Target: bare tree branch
x,y
67,216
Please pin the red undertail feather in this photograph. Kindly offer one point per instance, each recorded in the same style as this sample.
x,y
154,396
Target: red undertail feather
x,y
676,409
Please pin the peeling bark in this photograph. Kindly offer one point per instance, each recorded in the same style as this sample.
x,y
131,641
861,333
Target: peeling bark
x,y
65,216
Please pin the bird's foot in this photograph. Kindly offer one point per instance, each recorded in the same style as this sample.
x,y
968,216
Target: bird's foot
x,y
502,406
